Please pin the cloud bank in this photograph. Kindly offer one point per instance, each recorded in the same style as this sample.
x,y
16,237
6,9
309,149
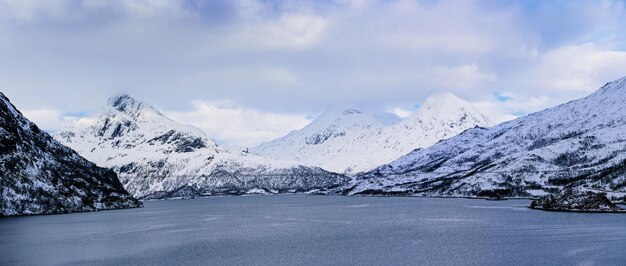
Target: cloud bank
x,y
291,60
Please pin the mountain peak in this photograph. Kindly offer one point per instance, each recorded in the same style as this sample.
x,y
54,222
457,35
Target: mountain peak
x,y
449,110
41,176
352,116
444,99
121,100
351,111
339,112
349,141
129,105
580,142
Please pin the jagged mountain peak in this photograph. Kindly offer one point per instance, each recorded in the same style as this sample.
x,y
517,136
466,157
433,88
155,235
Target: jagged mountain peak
x,y
157,157
126,123
39,175
121,100
130,106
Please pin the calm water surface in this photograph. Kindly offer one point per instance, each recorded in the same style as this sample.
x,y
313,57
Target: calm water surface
x,y
295,230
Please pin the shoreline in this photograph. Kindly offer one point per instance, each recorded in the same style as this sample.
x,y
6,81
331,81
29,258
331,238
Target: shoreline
x,y
576,211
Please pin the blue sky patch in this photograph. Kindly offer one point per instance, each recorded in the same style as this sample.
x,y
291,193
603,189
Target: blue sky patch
x,y
500,97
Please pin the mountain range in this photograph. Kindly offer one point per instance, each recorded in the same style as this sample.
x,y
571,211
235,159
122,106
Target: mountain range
x,y
444,149
351,140
578,144
156,157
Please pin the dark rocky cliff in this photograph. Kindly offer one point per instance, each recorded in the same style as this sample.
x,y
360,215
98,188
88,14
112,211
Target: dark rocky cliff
x,y
38,175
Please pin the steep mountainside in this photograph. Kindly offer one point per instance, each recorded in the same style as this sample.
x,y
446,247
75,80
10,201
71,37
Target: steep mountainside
x,y
38,175
581,143
157,157
352,141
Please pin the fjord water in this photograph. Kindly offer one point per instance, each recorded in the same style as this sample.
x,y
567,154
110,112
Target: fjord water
x,y
295,230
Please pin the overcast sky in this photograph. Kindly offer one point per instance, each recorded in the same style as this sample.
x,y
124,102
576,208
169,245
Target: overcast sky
x,y
248,71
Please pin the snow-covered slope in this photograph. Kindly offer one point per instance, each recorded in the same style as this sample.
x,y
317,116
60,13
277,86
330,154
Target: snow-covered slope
x,y
38,175
157,157
351,141
581,143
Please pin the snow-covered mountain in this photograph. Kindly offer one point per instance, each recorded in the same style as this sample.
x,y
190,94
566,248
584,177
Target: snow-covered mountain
x,y
352,141
156,157
38,175
581,144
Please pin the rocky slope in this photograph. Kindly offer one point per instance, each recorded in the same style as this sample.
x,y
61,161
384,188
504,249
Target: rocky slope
x,y
38,175
156,157
581,143
352,141
576,200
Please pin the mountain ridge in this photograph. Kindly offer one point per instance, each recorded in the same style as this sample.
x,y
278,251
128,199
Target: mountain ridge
x,y
41,176
157,157
352,141
578,143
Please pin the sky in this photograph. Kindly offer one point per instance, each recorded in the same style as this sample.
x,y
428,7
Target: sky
x,y
248,71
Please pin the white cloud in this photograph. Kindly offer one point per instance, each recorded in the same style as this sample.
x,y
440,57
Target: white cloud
x,y
230,124
48,118
31,10
138,9
289,31
248,76
495,111
499,112
400,112
557,76
578,68
467,76
298,57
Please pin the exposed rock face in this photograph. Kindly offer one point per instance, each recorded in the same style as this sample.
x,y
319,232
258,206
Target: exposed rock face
x,y
576,200
352,141
157,157
580,144
38,175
